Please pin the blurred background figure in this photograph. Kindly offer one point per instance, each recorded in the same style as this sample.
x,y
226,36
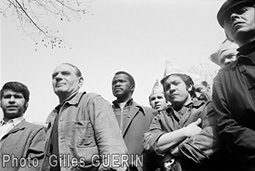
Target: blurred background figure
x,y
225,54
202,90
157,97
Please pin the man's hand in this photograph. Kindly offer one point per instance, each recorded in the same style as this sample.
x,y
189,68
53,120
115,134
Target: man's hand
x,y
193,128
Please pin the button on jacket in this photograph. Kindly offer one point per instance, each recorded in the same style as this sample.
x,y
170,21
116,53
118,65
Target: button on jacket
x,y
87,130
234,103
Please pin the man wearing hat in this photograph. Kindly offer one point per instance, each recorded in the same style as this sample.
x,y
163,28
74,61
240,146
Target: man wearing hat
x,y
184,136
234,88
225,54
157,97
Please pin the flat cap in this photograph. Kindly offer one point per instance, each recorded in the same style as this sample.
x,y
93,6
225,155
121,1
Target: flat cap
x,y
228,6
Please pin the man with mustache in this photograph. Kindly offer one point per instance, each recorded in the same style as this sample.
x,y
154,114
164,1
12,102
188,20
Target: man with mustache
x,y
234,89
21,142
133,119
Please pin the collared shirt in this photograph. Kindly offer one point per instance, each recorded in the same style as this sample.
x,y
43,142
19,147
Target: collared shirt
x,y
5,127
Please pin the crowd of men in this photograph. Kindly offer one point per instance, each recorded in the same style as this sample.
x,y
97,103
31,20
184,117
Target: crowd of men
x,y
187,128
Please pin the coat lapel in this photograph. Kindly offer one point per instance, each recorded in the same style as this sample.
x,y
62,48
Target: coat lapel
x,y
132,113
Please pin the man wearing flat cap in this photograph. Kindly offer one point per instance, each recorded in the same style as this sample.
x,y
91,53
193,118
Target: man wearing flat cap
x,y
234,86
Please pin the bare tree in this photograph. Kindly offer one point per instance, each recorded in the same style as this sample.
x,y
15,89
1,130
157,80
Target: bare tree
x,y
34,16
205,70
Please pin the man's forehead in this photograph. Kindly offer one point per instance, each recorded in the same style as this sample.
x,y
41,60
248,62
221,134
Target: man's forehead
x,y
198,85
173,77
120,76
10,91
158,94
64,67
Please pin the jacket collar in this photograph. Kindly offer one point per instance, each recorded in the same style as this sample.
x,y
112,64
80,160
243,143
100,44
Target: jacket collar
x,y
129,103
73,100
195,103
246,52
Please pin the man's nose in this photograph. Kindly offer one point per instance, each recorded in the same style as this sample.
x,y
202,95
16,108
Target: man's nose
x,y
197,94
12,99
233,16
58,77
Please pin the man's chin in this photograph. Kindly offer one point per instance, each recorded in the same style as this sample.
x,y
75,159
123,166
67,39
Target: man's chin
x,y
11,115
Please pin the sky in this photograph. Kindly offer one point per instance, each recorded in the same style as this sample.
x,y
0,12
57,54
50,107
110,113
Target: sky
x,y
136,36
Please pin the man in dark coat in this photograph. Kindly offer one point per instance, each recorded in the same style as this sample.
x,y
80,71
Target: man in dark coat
x,y
234,86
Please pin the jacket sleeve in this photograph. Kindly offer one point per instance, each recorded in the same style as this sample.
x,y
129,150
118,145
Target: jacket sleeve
x,y
108,136
238,138
154,133
201,146
34,149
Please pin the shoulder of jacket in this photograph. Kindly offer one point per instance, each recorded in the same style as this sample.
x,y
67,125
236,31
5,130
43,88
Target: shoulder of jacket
x,y
90,95
32,126
148,110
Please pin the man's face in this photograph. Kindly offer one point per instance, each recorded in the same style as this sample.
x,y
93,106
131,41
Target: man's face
x,y
65,81
202,92
158,101
176,90
227,56
13,104
240,21
121,87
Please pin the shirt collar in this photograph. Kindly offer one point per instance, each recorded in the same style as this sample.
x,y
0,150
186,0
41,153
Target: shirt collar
x,y
14,121
195,103
74,99
128,103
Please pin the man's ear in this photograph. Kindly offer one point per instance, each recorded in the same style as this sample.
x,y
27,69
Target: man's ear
x,y
132,88
189,88
80,81
25,106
